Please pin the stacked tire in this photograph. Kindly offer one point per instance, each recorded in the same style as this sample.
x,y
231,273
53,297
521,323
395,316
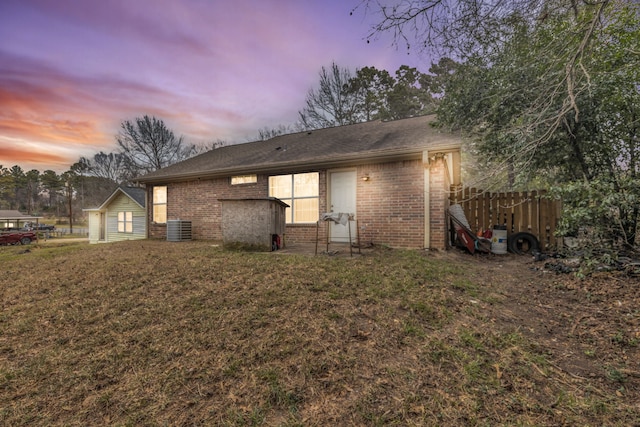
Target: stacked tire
x,y
523,243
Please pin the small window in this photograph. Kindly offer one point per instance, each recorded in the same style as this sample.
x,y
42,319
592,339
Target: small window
x,y
160,205
244,179
125,222
300,192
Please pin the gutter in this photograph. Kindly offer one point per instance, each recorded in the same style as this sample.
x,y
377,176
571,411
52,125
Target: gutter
x,y
292,166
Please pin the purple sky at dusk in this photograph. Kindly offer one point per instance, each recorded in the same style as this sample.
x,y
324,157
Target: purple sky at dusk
x,y
72,70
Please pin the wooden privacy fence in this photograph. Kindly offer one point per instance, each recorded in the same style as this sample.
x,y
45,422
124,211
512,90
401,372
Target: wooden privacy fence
x,y
526,211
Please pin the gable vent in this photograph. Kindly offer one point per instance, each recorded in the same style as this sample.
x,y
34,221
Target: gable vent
x,y
178,230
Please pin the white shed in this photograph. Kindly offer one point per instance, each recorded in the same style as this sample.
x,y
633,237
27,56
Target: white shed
x,y
123,216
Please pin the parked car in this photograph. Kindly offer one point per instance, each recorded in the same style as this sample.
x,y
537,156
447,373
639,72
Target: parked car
x,y
30,226
15,237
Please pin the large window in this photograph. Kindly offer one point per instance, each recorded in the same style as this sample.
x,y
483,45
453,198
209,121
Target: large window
x,y
160,205
300,192
125,222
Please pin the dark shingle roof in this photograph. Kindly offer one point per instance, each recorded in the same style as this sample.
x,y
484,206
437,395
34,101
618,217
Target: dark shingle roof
x,y
137,194
331,147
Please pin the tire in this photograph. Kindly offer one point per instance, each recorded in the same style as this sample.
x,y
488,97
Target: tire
x,y
523,243
25,241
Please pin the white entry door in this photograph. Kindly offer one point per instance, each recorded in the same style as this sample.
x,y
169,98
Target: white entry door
x,y
342,190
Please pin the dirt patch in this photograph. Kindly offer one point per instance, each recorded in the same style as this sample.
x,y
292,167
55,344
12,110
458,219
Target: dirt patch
x,y
589,327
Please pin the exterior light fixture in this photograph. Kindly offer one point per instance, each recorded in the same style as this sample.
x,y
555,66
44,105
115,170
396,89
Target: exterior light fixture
x,y
365,178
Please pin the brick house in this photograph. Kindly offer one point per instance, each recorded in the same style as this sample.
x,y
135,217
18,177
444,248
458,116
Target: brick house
x,y
393,177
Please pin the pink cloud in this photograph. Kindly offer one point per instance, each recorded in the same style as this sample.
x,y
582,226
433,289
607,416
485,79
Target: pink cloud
x,y
10,156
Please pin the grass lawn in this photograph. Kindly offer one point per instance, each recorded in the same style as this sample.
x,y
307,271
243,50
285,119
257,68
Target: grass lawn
x,y
157,333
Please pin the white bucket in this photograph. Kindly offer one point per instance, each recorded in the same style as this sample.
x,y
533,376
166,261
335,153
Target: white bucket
x,y
499,241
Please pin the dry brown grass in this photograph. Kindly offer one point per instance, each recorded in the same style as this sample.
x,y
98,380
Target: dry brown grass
x,y
158,333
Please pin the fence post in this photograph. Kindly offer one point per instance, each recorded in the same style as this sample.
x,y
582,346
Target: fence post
x,y
535,213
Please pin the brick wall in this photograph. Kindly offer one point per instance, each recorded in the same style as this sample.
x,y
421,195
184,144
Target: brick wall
x,y
390,205
390,208
198,201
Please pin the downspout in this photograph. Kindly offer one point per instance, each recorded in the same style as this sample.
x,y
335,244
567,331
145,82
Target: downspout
x,y
427,200
147,223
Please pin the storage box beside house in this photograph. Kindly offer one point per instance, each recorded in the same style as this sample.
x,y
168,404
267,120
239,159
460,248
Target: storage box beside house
x,y
255,224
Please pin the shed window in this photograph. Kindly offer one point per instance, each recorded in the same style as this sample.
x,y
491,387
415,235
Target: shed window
x,y
301,192
244,179
125,222
160,205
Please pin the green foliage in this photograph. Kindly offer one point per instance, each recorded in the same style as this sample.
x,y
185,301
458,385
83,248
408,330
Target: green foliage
x,y
557,104
5,187
605,209
558,98
33,192
410,95
371,88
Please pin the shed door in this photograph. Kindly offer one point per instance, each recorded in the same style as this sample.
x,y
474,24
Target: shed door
x,y
103,226
342,187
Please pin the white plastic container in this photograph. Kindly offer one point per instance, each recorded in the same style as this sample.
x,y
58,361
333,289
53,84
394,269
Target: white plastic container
x,y
499,240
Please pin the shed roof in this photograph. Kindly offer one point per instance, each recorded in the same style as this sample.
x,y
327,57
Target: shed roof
x,y
134,193
137,194
331,147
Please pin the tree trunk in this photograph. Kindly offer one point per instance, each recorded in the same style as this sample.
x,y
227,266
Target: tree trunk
x,y
574,143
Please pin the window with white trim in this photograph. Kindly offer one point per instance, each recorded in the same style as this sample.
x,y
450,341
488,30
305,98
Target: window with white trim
x,y
125,222
301,192
160,205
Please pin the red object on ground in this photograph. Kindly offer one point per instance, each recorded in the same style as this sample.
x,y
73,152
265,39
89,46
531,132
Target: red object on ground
x,y
467,239
15,237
